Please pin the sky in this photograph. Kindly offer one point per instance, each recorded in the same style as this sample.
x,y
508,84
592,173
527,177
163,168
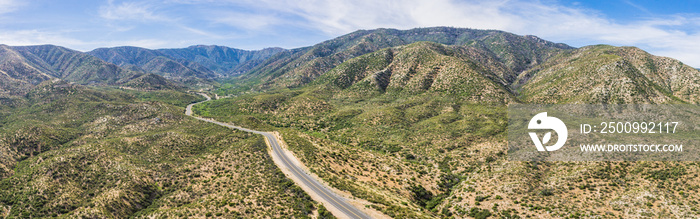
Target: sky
x,y
666,28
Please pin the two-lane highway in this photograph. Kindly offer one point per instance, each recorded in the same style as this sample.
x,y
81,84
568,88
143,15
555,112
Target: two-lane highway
x,y
316,189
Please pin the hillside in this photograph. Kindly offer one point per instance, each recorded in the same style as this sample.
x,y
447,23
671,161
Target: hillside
x,y
23,67
149,82
607,74
419,129
152,61
202,62
222,60
298,67
72,65
77,151
17,74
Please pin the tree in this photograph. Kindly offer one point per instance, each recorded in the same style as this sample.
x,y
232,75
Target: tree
x,y
421,195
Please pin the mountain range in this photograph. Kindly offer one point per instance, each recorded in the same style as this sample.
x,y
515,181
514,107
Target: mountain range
x,y
526,66
507,59
300,66
25,66
413,121
195,61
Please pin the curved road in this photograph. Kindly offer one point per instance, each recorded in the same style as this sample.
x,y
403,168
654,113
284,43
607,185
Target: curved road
x,y
328,196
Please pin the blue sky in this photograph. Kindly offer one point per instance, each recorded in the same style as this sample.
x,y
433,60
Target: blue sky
x,y
663,28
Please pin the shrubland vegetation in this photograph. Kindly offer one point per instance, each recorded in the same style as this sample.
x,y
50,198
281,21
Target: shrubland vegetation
x,y
78,151
416,128
419,129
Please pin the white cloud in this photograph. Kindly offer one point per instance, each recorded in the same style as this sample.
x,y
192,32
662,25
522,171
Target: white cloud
x,y
63,38
201,32
246,21
7,6
36,37
663,36
135,11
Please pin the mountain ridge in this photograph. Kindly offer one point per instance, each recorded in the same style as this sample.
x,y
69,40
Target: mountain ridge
x,y
151,61
222,59
510,60
200,61
27,66
300,66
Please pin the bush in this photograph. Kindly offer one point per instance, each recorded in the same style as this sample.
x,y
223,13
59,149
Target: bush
x,y
409,156
447,181
546,192
323,213
421,195
481,198
479,213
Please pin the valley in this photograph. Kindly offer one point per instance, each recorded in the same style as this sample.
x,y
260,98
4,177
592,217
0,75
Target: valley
x,y
288,164
411,123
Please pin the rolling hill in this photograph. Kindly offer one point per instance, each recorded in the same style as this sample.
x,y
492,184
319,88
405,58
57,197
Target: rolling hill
x,y
82,151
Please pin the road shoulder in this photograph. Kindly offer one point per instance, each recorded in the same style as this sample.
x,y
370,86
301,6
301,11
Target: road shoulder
x,y
358,203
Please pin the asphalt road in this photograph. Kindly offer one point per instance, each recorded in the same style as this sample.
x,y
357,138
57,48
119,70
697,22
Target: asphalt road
x,y
316,187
